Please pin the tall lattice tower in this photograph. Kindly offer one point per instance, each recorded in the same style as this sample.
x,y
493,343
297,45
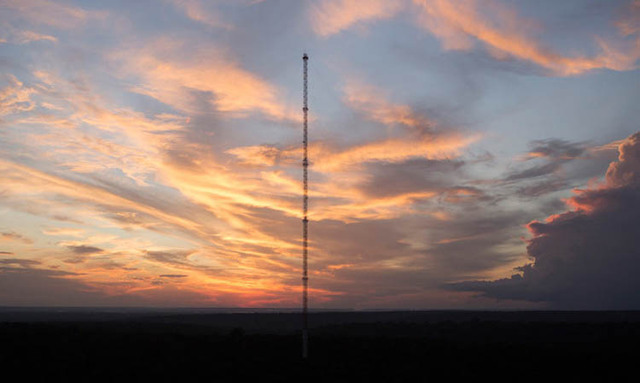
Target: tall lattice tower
x,y
305,220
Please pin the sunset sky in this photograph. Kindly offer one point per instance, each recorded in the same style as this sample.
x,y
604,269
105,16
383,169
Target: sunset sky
x,y
464,154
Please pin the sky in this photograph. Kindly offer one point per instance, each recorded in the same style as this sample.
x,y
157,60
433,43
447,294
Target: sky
x,y
471,154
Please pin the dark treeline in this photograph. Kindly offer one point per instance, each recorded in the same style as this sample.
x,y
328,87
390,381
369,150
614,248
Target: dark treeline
x,y
413,347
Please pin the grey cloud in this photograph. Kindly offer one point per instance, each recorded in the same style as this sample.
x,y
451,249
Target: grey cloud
x,y
180,259
176,258
378,260
64,218
173,276
535,171
469,243
17,261
13,236
365,241
38,287
41,287
84,250
465,194
553,152
542,188
75,260
388,179
557,149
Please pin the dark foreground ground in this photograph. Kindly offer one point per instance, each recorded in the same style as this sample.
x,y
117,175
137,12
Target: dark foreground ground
x,y
112,345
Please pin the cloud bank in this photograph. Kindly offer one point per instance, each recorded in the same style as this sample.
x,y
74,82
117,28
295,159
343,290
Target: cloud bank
x,y
587,257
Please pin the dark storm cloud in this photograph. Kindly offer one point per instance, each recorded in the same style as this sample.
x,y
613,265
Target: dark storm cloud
x,y
588,257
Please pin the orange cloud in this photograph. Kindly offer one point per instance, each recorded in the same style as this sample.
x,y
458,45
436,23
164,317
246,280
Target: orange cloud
x,y
417,142
168,78
23,180
15,97
197,11
337,197
329,17
394,150
328,159
458,23
64,231
136,144
13,236
372,102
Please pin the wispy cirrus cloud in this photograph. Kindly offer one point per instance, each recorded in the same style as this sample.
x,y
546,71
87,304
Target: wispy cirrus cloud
x,y
375,105
460,24
27,36
10,236
202,12
419,137
64,231
50,13
15,96
463,24
329,17
170,78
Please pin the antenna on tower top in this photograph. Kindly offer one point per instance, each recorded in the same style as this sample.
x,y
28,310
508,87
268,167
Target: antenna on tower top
x,y
305,221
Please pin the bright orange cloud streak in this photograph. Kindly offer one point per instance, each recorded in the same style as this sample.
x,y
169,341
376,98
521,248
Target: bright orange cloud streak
x,y
395,150
457,23
18,179
330,159
169,79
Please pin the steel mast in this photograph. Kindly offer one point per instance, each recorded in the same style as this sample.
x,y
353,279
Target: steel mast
x,y
305,220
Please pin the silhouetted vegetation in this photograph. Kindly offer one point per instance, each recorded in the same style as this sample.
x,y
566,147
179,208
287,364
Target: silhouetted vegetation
x,y
344,347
